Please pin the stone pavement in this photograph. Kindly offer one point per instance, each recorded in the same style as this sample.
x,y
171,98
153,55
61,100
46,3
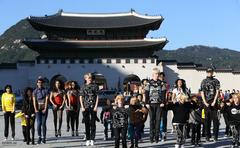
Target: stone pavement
x,y
68,141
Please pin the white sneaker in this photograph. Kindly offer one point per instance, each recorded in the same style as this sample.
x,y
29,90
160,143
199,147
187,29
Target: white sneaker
x,y
182,146
92,143
177,145
5,139
13,139
88,143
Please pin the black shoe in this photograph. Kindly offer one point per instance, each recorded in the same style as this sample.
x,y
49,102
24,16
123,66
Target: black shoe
x,y
72,133
33,143
193,143
156,140
24,140
76,133
151,140
56,134
68,128
207,139
132,146
59,133
44,140
39,140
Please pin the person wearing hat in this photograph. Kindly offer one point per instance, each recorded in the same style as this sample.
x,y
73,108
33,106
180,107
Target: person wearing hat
x,y
209,91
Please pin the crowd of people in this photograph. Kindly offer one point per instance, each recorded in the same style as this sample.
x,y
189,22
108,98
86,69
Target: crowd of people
x,y
191,114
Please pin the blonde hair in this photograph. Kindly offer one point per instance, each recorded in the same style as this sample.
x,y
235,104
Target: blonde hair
x,y
119,97
87,75
237,95
155,70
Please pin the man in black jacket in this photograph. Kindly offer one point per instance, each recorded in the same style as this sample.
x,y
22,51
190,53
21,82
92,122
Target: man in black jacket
x,y
209,92
154,97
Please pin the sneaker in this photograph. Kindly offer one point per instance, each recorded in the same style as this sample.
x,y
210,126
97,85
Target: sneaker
x,y
88,143
76,133
13,139
84,137
92,143
177,145
182,146
5,139
105,138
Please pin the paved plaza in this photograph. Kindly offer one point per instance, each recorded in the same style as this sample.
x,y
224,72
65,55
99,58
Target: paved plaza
x,y
68,141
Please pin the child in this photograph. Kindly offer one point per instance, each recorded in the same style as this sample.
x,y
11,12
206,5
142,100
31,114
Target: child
x,y
181,112
140,99
195,122
106,118
24,124
136,117
233,111
120,122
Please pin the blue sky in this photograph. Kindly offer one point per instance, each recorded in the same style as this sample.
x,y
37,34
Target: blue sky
x,y
187,22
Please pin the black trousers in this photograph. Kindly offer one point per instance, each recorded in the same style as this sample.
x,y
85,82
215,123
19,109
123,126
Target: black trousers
x,y
211,114
90,123
30,127
123,132
9,116
74,117
196,132
226,119
106,123
155,113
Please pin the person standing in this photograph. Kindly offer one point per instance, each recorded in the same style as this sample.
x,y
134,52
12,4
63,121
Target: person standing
x,y
74,106
154,97
57,98
8,108
89,103
40,99
209,92
28,110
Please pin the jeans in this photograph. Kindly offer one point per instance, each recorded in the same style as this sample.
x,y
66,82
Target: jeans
x,y
9,116
41,123
181,133
106,123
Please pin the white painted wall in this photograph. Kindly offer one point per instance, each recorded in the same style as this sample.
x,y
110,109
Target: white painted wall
x,y
194,77
26,75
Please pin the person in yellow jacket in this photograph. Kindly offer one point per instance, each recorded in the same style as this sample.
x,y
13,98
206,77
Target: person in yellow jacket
x,y
23,123
8,108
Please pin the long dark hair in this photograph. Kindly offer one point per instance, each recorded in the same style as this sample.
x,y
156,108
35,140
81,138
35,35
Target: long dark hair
x,y
8,86
77,87
25,95
184,86
61,85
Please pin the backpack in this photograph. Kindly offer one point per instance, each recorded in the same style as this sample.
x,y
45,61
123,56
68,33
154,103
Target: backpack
x,y
107,116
